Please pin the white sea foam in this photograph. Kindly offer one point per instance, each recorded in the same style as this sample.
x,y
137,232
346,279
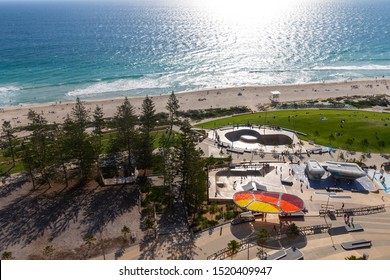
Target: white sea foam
x,y
119,86
353,67
7,89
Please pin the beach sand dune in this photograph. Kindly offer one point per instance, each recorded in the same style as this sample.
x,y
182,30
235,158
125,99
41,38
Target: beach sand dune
x,y
250,96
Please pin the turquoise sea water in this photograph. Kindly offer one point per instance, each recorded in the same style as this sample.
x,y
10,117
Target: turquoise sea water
x,y
51,52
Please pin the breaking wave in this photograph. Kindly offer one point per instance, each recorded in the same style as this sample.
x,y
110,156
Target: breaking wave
x,y
8,89
120,85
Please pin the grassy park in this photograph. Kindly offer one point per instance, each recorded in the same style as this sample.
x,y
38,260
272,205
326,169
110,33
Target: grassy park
x,y
353,130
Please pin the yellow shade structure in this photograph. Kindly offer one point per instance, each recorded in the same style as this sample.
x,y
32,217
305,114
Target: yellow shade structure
x,y
268,202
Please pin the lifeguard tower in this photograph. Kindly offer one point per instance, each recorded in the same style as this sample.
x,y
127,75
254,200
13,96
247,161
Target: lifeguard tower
x,y
275,96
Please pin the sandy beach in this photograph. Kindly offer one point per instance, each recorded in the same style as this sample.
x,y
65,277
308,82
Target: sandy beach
x,y
250,96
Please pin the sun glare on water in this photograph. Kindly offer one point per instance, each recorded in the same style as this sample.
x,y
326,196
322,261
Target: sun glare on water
x,y
247,11
240,8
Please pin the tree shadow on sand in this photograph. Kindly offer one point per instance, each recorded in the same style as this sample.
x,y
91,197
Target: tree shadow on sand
x,y
174,246
174,241
12,186
104,206
28,217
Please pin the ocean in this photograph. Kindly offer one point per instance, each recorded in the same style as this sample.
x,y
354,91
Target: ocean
x,y
53,52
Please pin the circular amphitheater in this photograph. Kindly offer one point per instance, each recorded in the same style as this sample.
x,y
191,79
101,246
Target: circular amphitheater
x,y
253,138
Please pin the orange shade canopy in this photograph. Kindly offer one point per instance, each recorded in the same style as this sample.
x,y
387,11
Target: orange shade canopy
x,y
268,202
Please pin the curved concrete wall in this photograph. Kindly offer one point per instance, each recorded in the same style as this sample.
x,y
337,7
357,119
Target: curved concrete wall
x,y
268,140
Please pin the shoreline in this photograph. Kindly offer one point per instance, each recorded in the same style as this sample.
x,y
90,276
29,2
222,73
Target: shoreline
x,y
251,96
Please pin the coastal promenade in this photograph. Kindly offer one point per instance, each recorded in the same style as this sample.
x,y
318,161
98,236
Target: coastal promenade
x,y
314,246
321,246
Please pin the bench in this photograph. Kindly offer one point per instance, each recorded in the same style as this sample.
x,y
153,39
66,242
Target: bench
x,y
359,191
287,182
334,189
277,256
225,128
297,216
358,244
237,151
223,145
291,253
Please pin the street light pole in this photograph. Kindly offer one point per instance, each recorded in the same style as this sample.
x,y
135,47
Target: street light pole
x,y
248,238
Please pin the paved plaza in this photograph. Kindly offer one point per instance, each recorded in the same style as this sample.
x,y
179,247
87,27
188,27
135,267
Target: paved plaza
x,y
250,172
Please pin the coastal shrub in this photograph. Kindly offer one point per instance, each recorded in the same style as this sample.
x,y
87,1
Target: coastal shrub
x,y
147,211
213,208
202,222
213,162
370,101
159,207
262,237
159,194
213,112
230,215
293,229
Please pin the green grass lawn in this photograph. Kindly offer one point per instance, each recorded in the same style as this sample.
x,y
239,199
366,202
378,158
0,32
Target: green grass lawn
x,y
351,129
156,143
4,166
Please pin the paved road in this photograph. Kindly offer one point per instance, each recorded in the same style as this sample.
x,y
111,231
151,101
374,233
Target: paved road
x,y
315,247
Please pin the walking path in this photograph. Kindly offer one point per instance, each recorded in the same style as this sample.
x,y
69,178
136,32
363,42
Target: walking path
x,y
316,246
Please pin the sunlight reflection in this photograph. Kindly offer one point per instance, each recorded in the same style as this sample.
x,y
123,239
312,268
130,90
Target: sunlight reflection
x,y
247,10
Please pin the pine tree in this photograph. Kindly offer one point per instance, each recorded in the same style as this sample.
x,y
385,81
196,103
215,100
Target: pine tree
x,y
124,120
41,146
63,155
172,107
77,141
28,161
169,163
191,171
145,143
80,115
9,140
98,123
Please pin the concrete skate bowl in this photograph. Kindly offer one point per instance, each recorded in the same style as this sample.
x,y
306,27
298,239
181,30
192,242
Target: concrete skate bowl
x,y
253,136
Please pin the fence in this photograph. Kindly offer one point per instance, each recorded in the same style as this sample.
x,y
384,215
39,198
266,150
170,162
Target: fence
x,y
308,230
355,211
